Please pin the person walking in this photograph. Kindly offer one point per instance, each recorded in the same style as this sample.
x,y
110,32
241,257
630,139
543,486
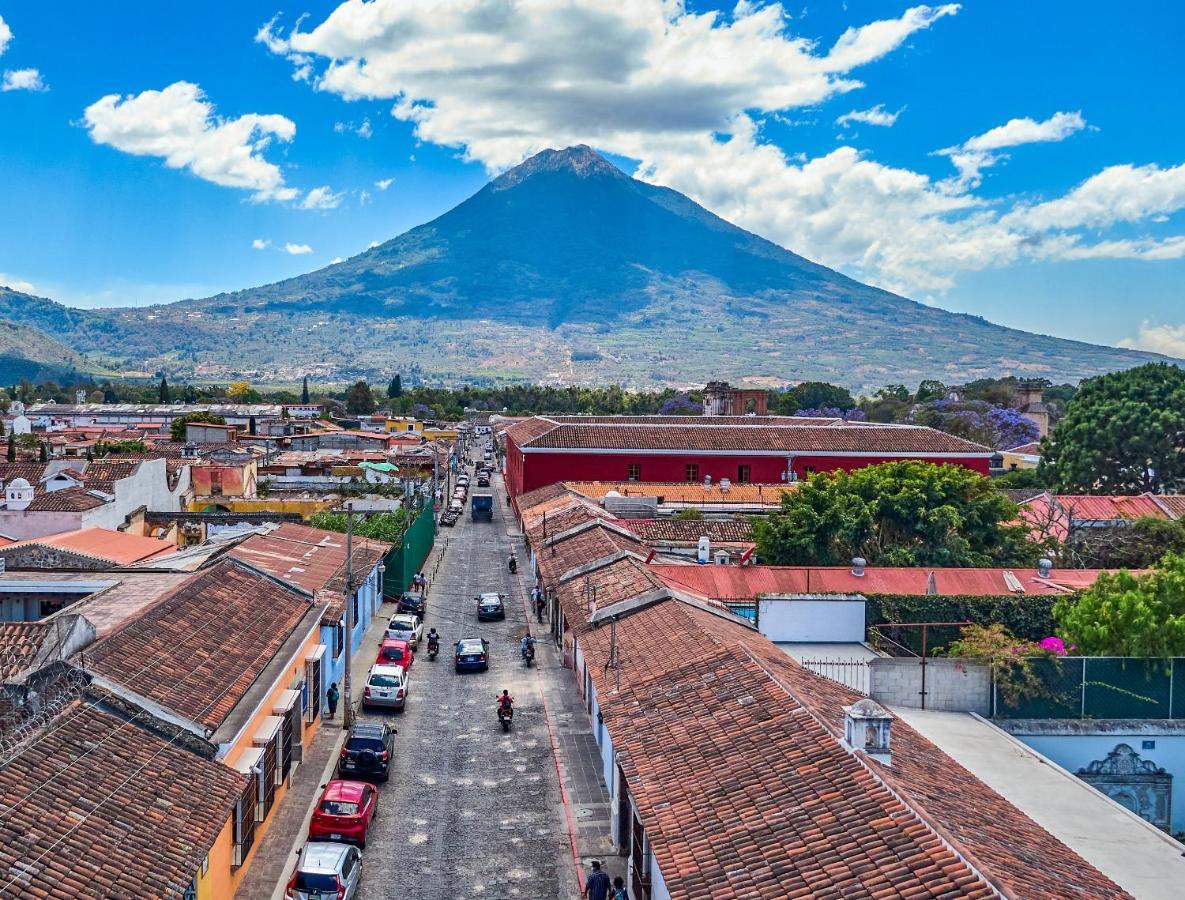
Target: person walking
x,y
596,887
619,891
539,605
333,695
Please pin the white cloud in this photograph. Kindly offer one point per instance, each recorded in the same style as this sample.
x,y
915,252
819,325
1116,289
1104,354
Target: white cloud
x,y
23,80
260,244
1117,194
1166,339
878,115
383,183
178,125
5,35
686,94
373,244
364,130
321,198
978,153
11,281
336,260
297,249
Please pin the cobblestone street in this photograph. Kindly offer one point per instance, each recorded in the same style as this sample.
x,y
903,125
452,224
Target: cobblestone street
x,y
470,811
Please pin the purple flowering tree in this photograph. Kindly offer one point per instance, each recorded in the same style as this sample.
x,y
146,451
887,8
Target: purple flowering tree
x,y
999,427
832,412
681,406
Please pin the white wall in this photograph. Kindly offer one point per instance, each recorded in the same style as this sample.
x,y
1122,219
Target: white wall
x,y
812,621
954,685
1076,751
658,886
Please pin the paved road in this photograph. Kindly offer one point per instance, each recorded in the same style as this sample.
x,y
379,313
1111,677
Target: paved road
x,y
470,811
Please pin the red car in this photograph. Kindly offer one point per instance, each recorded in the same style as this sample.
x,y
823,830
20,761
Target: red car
x,y
394,652
344,812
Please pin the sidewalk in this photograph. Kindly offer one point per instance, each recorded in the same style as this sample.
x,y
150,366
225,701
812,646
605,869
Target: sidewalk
x,y
275,856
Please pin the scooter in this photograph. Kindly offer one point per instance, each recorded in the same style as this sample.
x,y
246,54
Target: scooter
x,y
504,718
529,655
513,564
433,649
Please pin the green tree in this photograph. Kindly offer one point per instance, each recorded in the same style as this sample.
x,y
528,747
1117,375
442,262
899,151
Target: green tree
x,y
1142,544
29,441
903,513
817,395
179,423
360,400
1123,433
163,391
890,404
43,452
395,388
1128,615
304,391
689,514
930,389
11,456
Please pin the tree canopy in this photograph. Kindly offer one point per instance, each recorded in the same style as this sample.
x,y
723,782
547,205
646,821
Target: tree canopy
x,y
360,400
1128,615
903,513
387,526
1123,433
816,395
395,388
304,390
163,393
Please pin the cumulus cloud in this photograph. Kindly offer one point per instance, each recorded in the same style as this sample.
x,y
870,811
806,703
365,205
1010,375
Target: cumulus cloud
x,y
980,152
686,94
1166,339
11,281
260,244
178,125
5,35
1117,194
23,80
321,198
878,115
297,249
383,183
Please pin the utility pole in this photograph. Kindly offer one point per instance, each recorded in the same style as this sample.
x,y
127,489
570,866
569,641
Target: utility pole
x,y
348,711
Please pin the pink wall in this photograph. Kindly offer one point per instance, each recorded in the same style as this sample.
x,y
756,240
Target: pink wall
x,y
525,472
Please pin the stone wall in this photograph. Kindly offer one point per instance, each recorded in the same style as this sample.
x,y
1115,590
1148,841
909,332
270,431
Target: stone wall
x,y
36,556
952,685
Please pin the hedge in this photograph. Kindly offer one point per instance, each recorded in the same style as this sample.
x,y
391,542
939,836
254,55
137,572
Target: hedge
x,y
1024,615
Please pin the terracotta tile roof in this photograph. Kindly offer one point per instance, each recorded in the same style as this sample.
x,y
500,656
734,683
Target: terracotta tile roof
x,y
108,469
199,650
115,547
30,471
20,644
1172,504
76,499
560,518
579,549
685,492
313,559
695,421
678,531
540,495
734,582
134,819
1033,448
706,435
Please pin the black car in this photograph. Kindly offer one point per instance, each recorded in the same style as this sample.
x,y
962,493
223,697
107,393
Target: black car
x,y
490,607
472,654
368,751
413,602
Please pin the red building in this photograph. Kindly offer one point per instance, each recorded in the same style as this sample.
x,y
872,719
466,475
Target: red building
x,y
546,449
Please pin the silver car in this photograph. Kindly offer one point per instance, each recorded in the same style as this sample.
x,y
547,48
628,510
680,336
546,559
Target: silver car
x,y
386,686
326,871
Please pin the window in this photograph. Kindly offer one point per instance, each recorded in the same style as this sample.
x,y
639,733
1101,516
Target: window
x,y
354,604
338,641
691,472
743,474
635,472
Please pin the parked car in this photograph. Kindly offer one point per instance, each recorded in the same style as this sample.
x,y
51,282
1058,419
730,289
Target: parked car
x,y
368,751
413,602
405,627
456,505
462,480
386,686
472,655
483,480
326,870
489,607
344,812
449,519
394,652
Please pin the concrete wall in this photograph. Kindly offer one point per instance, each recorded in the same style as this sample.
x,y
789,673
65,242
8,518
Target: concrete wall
x,y
1085,742
812,621
952,685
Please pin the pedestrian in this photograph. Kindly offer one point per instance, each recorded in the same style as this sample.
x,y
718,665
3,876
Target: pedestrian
x,y
333,695
423,582
597,886
619,892
540,605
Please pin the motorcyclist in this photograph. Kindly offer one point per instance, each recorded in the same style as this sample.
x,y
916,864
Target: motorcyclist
x,y
433,641
506,704
527,645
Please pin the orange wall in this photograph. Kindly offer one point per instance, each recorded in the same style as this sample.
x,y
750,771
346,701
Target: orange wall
x,y
226,481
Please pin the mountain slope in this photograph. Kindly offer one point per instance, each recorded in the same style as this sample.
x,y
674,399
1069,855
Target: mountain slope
x,y
27,352
566,269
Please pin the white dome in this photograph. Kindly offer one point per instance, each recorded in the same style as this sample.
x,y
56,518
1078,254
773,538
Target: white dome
x,y
19,484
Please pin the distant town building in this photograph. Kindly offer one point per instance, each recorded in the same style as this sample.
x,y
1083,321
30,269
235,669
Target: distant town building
x,y
722,399
1030,402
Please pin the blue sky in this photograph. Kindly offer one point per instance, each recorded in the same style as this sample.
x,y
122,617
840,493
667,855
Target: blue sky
x,y
1021,161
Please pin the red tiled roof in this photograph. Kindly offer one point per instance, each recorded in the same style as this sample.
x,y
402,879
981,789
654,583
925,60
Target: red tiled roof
x,y
1033,448
199,650
540,495
630,434
133,819
76,499
667,492
117,547
1172,504
20,643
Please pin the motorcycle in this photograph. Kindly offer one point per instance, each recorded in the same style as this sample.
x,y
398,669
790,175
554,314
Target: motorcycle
x,y
504,717
529,655
513,565
433,649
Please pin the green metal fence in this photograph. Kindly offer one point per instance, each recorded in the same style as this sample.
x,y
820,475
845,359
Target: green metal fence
x,y
1105,687
408,556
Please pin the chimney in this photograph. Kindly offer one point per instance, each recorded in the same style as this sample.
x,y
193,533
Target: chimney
x,y
858,565
932,585
1044,567
703,551
867,727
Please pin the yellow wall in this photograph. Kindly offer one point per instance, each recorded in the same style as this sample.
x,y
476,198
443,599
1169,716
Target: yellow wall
x,y
304,506
403,425
222,879
217,883
1018,460
440,434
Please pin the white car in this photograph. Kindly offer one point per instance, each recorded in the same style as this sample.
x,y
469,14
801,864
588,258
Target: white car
x,y
386,686
406,628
